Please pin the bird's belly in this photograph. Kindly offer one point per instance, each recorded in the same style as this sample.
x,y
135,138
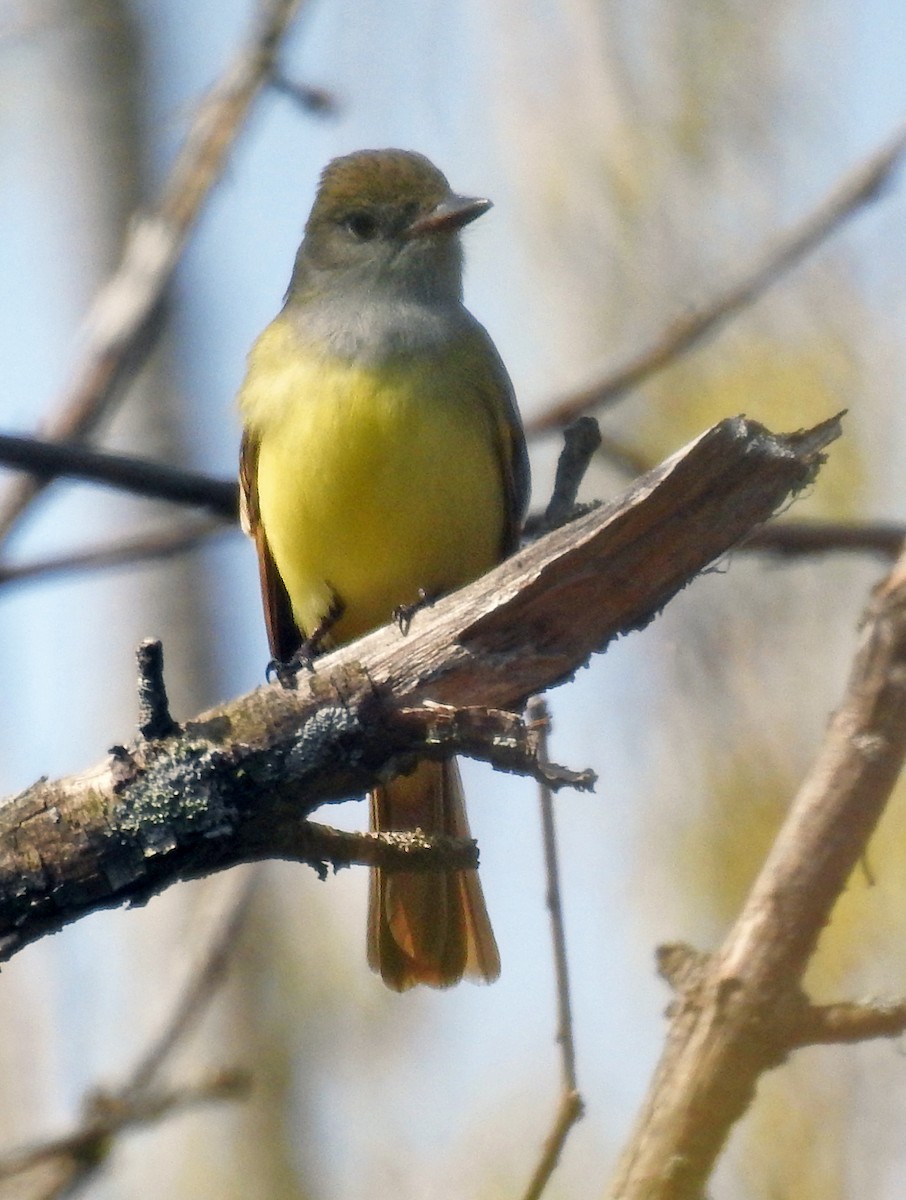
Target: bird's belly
x,y
376,489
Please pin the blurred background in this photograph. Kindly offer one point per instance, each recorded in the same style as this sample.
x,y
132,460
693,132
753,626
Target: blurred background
x,y
641,157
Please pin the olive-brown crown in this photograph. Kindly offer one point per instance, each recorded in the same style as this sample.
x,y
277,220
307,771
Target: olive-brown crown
x,y
375,182
384,225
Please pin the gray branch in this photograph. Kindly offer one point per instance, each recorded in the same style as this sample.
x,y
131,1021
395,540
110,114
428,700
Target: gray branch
x,y
240,782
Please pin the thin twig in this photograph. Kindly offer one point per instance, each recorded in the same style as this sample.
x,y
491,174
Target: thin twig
x,y
858,188
504,739
87,1147
154,719
120,329
202,983
581,439
142,1099
570,1107
47,460
128,551
795,539
831,1024
313,99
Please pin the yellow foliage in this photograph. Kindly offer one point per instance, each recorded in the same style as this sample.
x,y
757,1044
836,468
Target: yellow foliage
x,y
793,1140
862,949
784,385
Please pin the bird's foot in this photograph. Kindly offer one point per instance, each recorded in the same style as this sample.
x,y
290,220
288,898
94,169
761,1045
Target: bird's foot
x,y
403,613
303,659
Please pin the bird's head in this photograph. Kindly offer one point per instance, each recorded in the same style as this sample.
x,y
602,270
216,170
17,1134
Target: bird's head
x,y
385,221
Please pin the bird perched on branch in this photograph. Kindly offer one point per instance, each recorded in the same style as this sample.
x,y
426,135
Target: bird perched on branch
x,y
383,461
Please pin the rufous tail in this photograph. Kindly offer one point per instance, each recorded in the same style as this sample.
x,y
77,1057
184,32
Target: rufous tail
x,y
428,927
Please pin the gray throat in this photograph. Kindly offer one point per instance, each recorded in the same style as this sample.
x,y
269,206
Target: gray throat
x,y
372,329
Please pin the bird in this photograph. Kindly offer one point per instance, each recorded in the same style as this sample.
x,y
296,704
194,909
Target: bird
x,y
383,463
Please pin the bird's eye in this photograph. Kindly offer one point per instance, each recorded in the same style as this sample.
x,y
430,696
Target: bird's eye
x,y
362,225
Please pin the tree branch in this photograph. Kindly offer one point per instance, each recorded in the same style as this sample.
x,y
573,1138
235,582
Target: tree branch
x,y
581,439
835,1024
127,551
59,1164
570,1106
795,539
238,783
46,460
741,1011
785,539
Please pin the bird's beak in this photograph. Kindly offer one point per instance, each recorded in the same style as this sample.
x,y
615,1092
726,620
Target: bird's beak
x,y
450,215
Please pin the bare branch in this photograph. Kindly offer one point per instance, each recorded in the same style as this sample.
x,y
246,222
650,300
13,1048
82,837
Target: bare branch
x,y
831,1024
570,1107
154,720
539,715
857,189
581,440
121,327
49,460
794,539
490,735
313,99
129,551
735,1012
72,1158
237,783
56,1166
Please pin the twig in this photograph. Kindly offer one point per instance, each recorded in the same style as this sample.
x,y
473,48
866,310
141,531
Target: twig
x,y
858,188
491,735
125,552
406,850
538,714
313,99
120,329
581,439
76,1156
48,460
87,1147
570,1107
832,1024
201,985
794,539
154,720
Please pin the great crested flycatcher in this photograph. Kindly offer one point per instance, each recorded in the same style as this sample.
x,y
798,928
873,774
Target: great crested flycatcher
x,y
383,460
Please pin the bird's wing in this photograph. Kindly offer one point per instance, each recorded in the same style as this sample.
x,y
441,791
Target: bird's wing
x,y
499,399
282,633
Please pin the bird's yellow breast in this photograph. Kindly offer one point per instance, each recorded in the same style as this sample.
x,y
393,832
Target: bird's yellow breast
x,y
374,481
